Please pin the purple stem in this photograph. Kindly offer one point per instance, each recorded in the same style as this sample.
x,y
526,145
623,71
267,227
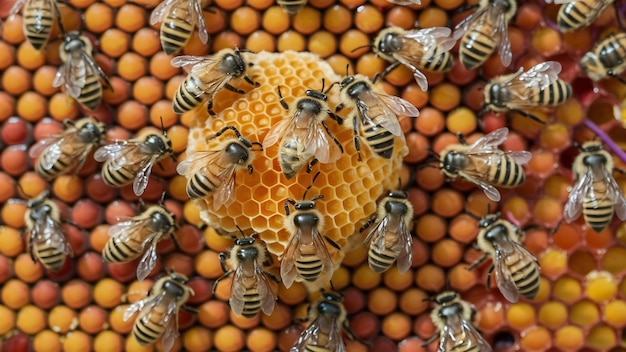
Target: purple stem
x,y
606,139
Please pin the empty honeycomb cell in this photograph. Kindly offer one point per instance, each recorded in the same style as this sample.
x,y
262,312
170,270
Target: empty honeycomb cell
x,y
553,263
108,340
536,240
601,337
535,339
584,313
569,338
552,314
598,241
582,262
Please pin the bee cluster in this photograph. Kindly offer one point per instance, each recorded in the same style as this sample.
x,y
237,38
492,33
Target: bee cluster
x,y
299,165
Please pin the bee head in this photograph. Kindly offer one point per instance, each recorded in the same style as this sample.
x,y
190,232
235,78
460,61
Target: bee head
x,y
237,152
233,64
389,41
346,82
454,161
446,297
244,241
488,220
158,143
73,42
317,94
178,278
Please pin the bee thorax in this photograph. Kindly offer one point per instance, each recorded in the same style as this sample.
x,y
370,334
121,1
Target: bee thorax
x,y
455,161
236,153
396,208
310,105
328,309
247,253
498,95
233,64
303,220
594,160
496,233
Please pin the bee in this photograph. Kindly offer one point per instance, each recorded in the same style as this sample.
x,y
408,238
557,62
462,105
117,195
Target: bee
x,y
132,237
306,256
66,152
47,241
426,49
131,161
390,239
80,74
250,291
301,136
576,14
484,30
158,313
538,87
39,18
178,19
517,270
213,171
291,6
453,318
608,58
483,164
207,76
405,2
596,193
375,112
328,317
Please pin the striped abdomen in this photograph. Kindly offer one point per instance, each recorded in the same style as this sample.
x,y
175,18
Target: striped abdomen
x,y
580,13
525,275
150,327
39,17
118,178
379,139
381,261
555,94
64,163
598,210
252,302
506,172
312,348
437,61
91,94
477,45
189,95
200,184
50,256
612,52
116,251
177,27
309,266
292,156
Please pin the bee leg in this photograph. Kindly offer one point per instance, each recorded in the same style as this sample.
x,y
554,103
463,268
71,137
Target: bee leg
x,y
367,224
534,117
387,70
352,336
331,136
332,243
489,276
31,248
189,309
68,123
272,276
70,222
217,281
621,171
357,142
476,263
339,107
252,82
59,21
429,340
287,202
309,168
223,258
339,119
233,89
616,76
461,138
282,101
175,240
209,107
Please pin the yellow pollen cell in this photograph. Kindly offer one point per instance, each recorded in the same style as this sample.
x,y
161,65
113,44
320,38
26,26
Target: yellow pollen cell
x,y
584,313
615,313
553,263
569,338
521,315
601,337
553,314
536,338
601,286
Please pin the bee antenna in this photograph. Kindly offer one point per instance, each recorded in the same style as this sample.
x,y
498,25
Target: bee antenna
x,y
330,87
259,144
241,231
19,186
361,47
163,126
163,199
472,215
323,81
347,69
311,185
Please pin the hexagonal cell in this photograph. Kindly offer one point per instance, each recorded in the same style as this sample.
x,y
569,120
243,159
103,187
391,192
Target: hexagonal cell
x,y
584,313
567,289
581,262
613,260
553,263
251,209
602,337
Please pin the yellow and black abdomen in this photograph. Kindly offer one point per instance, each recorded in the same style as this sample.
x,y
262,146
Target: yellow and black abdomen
x,y
91,93
505,172
555,94
477,45
438,60
39,18
117,177
49,255
525,275
598,209
116,251
381,260
149,328
189,95
176,29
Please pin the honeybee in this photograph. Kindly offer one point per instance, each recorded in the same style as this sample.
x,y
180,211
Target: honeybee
x,y
376,112
67,151
291,6
484,30
250,291
596,193
328,317
47,241
452,316
426,49
139,235
306,256
80,74
301,136
390,239
538,87
213,171
39,17
608,58
576,14
158,313
207,76
483,164
405,2
517,270
131,161
178,19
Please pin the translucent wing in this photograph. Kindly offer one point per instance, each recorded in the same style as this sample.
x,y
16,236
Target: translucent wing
x,y
614,192
203,34
405,244
238,292
521,157
288,272
463,26
197,63
268,300
405,2
48,231
115,153
559,1
277,132
574,206
144,306
479,180
460,335
223,194
489,141
542,75
49,150
430,37
321,325
504,278
16,8
123,230
149,259
502,33
170,320
322,252
159,13
143,176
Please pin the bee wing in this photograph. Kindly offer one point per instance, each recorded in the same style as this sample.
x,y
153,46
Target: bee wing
x,y
521,157
322,251
462,27
277,132
574,205
398,106
542,75
489,141
431,37
405,2
479,180
405,244
51,232
458,332
559,1
170,320
73,84
200,24
143,176
238,292
149,259
185,167
502,33
324,325
504,277
288,272
325,150
614,192
122,230
159,12
375,237
198,63
144,306
115,152
48,149
223,194
373,107
268,300
16,7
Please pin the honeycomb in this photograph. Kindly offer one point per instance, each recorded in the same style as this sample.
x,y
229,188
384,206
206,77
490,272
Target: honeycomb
x,y
350,187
